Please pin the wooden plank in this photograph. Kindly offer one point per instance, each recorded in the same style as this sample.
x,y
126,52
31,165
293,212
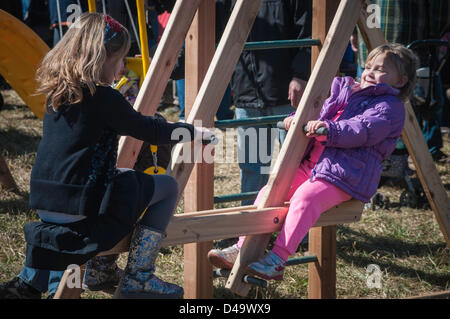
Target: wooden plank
x,y
433,295
295,144
223,223
322,273
6,178
63,291
418,150
199,191
220,210
124,244
226,225
322,240
198,279
158,74
427,172
256,221
216,80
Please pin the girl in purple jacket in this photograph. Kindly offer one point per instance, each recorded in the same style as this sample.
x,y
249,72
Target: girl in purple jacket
x,y
364,121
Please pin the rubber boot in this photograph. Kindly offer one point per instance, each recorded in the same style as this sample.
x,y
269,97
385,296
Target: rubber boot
x,y
139,281
102,273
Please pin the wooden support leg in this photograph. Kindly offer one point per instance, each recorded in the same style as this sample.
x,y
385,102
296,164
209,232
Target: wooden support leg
x,y
197,271
71,277
199,193
322,273
6,178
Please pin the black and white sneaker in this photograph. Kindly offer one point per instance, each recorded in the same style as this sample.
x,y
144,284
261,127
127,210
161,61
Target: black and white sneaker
x,y
18,289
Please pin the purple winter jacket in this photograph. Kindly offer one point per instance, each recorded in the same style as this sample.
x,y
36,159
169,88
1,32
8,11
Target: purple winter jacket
x,y
363,136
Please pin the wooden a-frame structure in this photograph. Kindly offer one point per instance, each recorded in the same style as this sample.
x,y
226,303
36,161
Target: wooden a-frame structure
x,y
6,178
206,84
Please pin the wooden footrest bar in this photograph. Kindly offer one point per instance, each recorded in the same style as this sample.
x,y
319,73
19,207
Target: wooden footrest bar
x,y
247,278
301,260
261,282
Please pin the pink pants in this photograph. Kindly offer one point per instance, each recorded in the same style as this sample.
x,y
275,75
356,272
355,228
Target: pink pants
x,y
307,201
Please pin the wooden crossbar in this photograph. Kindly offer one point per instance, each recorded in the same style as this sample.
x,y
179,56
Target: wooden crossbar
x,y
245,220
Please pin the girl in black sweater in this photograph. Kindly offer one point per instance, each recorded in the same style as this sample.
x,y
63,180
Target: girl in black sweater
x,y
86,204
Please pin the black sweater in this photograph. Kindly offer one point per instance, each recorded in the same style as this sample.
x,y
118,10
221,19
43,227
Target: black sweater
x,y
77,154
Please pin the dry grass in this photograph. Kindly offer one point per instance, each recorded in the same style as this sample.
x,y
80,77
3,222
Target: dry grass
x,y
405,243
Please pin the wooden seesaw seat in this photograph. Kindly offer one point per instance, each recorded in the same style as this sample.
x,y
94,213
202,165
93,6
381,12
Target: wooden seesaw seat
x,y
223,223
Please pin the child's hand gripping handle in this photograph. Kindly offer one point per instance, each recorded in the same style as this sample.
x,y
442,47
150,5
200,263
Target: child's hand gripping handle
x,y
210,140
320,131
281,126
206,136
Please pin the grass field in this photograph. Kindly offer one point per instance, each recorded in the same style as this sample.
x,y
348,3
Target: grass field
x,y
405,243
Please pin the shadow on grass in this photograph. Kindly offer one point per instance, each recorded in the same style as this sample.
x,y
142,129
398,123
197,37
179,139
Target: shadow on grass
x,y
362,255
16,107
10,107
14,206
17,142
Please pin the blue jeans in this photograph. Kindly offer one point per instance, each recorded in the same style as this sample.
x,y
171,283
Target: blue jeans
x,y
255,147
181,97
223,113
42,279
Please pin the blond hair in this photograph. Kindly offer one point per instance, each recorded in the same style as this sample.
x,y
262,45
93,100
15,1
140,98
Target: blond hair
x,y
405,61
77,60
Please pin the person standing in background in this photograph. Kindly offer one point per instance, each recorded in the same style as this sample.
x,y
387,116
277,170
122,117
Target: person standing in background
x,y
267,82
404,21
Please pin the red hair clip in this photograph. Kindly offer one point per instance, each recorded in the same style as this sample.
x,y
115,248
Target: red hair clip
x,y
113,24
112,28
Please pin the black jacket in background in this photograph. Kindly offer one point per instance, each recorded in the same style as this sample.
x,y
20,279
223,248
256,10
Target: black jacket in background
x,y
261,78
